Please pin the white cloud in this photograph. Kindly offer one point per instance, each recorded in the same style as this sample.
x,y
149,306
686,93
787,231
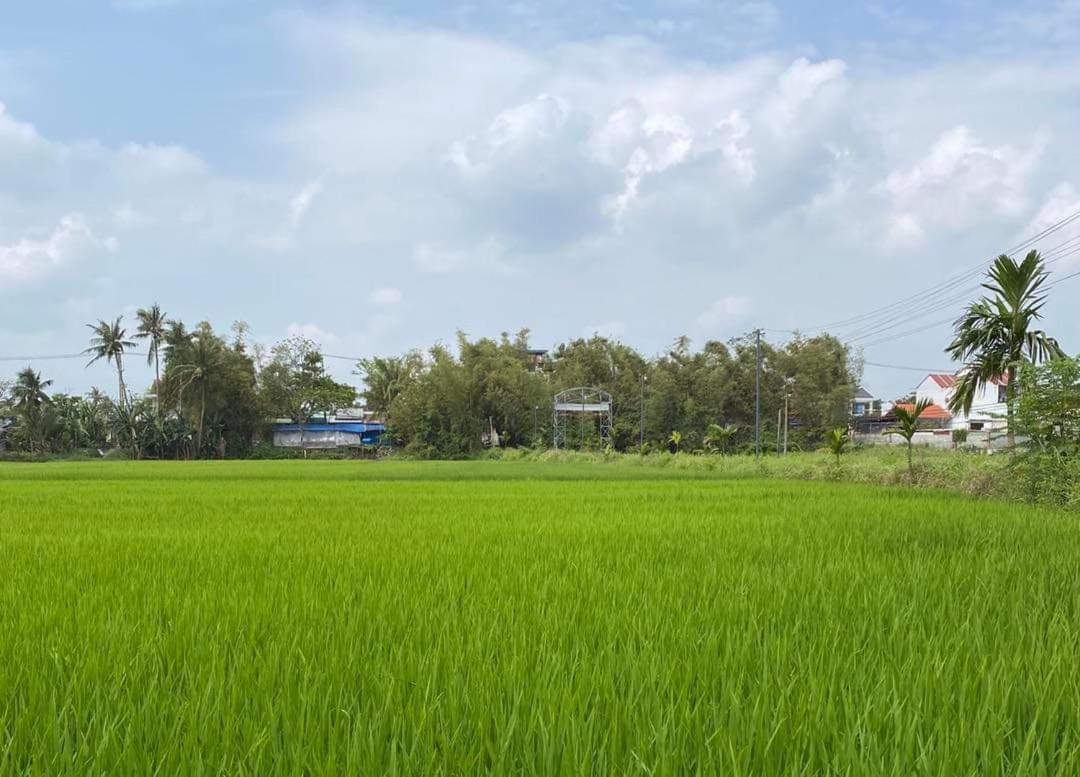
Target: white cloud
x,y
959,181
31,258
796,88
513,129
301,202
724,311
1062,202
385,296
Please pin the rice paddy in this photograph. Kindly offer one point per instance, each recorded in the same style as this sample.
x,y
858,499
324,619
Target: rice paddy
x,y
319,618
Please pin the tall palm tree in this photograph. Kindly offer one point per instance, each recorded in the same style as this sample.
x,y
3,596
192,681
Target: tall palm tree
x,y
108,343
201,365
995,335
152,325
29,390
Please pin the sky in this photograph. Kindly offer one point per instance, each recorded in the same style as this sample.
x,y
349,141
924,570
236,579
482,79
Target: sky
x,y
377,176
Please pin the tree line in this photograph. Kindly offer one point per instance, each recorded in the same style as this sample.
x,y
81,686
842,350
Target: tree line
x,y
215,395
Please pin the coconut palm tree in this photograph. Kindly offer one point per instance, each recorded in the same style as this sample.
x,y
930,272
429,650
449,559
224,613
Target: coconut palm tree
x,y
200,367
909,424
29,390
995,335
151,328
108,342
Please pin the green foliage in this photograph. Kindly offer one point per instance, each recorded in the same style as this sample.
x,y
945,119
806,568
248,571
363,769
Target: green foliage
x,y
995,335
295,384
908,425
527,618
837,440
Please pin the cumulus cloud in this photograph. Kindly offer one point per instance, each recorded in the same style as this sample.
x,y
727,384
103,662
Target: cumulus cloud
x,y
1062,203
960,180
32,258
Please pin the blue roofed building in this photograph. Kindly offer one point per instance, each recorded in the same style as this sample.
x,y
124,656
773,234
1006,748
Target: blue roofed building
x,y
347,428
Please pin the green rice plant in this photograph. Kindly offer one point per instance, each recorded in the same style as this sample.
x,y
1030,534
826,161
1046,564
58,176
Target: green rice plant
x,y
349,617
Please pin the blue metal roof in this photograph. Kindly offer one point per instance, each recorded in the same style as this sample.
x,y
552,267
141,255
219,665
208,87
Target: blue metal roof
x,y
355,428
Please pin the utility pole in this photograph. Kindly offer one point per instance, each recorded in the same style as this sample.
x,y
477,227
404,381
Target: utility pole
x,y
787,418
779,420
641,424
757,394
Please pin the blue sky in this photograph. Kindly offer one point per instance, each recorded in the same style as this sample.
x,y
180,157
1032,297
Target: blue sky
x,y
379,175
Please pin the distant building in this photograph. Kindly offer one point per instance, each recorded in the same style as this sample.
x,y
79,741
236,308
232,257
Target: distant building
x,y
863,403
347,428
988,410
537,358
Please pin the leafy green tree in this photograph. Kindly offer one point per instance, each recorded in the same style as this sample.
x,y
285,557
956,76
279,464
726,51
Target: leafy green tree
x,y
908,425
836,440
152,328
109,342
295,383
995,335
1048,408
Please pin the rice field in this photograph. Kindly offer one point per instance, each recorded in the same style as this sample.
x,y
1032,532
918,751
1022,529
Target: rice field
x,y
324,618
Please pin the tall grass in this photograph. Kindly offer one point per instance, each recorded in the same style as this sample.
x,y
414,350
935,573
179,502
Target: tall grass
x,y
370,618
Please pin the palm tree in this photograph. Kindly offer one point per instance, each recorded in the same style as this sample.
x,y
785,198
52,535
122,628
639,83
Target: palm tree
x,y
994,335
202,359
909,424
837,441
718,437
675,439
152,328
29,390
108,343
385,378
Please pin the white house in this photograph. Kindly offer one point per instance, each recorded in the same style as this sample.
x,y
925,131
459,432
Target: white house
x,y
987,417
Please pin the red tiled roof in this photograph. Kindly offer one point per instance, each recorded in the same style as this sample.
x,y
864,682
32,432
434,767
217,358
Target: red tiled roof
x,y
932,413
943,380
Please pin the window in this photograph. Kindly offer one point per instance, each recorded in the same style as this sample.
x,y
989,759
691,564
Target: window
x,y
976,426
1003,395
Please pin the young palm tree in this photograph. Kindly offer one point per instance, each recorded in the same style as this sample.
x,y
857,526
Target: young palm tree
x,y
909,424
719,437
152,325
675,440
29,390
108,343
995,334
837,441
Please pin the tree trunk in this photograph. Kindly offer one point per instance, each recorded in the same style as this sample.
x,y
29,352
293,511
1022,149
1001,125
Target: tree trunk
x,y
1010,402
202,417
120,378
157,383
910,463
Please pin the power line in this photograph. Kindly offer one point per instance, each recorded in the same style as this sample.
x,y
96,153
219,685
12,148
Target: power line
x,y
947,285
925,370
